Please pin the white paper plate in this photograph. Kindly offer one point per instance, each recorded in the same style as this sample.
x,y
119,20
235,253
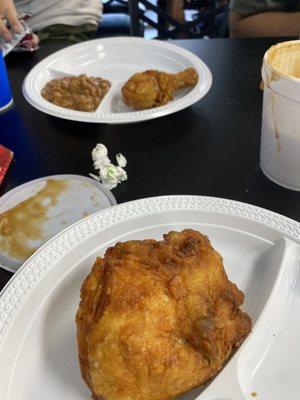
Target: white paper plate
x,y
116,59
82,196
38,352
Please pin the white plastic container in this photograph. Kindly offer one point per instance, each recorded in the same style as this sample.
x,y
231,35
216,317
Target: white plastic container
x,y
280,134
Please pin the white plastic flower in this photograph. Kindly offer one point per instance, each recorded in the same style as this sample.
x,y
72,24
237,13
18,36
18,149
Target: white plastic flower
x,y
100,157
122,175
121,160
99,152
96,177
101,162
109,174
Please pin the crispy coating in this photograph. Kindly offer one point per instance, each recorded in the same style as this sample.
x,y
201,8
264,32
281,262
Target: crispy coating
x,y
155,88
157,318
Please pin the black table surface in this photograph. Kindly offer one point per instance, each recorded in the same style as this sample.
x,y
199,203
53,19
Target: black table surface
x,y
211,148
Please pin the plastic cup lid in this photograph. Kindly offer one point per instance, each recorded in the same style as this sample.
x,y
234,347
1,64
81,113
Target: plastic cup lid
x,y
34,212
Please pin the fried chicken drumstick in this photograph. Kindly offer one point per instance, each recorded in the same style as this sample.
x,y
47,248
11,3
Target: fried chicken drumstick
x,y
157,318
155,88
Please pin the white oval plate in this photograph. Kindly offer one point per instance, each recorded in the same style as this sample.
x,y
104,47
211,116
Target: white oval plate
x,y
116,59
38,352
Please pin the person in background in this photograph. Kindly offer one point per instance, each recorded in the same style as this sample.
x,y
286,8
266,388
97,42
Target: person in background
x,y
264,18
68,20
175,10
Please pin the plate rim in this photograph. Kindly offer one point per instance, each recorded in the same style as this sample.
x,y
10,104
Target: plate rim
x,y
136,116
34,269
95,183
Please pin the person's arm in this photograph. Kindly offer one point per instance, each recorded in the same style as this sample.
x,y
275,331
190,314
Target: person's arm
x,y
8,11
175,10
266,24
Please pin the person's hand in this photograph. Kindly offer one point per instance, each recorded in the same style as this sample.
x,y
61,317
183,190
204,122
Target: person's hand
x,y
8,11
29,42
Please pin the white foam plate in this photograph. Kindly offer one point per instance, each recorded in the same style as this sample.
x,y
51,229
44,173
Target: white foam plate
x,y
38,352
116,59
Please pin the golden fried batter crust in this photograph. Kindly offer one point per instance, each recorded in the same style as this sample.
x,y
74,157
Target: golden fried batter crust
x,y
153,88
157,318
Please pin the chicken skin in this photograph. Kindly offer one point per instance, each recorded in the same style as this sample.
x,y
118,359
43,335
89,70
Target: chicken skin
x,y
155,88
157,318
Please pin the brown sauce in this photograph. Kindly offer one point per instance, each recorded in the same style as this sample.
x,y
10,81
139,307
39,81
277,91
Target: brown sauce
x,y
276,131
24,222
284,58
81,93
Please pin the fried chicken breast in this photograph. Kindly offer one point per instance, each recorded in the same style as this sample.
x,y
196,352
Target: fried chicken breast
x,y
157,318
153,88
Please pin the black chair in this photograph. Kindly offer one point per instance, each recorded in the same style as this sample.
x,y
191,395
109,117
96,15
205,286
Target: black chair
x,y
115,19
209,20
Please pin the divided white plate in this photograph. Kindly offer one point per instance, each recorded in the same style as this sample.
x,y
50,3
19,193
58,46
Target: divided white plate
x,y
116,59
38,354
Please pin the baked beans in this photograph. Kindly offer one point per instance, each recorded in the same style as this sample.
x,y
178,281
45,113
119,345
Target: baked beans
x,y
81,93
